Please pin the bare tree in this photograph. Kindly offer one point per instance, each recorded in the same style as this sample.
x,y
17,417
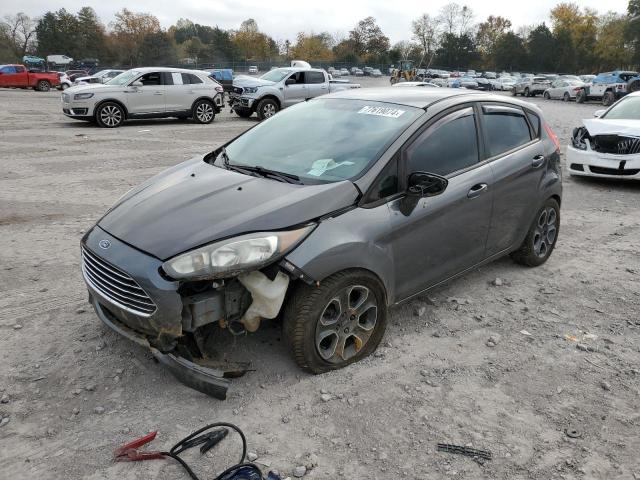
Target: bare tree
x,y
426,30
449,16
20,31
466,20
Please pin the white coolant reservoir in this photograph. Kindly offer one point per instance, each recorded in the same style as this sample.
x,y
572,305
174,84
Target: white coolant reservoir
x,y
268,296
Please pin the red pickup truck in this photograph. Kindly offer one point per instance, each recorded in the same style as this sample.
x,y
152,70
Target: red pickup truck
x,y
17,76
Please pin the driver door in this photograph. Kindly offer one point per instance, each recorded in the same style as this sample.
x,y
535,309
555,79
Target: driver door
x,y
434,238
149,98
295,89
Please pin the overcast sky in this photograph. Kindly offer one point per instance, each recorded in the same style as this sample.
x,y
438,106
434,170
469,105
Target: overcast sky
x,y
282,19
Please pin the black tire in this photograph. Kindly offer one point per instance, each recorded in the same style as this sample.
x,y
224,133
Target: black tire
x,y
514,92
267,108
308,305
634,86
546,96
204,111
566,97
581,96
531,252
527,93
43,86
243,112
608,99
109,115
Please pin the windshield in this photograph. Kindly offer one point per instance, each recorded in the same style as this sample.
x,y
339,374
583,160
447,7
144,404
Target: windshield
x,y
276,75
101,73
324,140
626,109
123,78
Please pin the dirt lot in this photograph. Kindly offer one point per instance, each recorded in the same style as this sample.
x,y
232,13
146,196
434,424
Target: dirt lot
x,y
71,390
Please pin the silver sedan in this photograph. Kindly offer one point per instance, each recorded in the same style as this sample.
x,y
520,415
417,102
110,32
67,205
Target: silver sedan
x,y
563,89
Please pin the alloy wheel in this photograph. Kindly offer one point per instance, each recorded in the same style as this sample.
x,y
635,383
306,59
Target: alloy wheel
x,y
269,110
545,232
204,112
346,324
110,115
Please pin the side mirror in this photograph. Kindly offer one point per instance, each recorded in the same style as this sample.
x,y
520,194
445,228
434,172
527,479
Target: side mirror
x,y
137,83
423,184
290,81
598,113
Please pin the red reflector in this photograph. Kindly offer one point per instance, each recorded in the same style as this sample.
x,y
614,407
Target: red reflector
x,y
552,135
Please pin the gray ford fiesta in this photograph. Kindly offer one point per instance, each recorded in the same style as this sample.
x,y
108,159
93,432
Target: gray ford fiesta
x,y
322,217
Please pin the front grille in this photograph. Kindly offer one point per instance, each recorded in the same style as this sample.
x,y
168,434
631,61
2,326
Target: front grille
x,y
614,171
616,144
116,285
577,166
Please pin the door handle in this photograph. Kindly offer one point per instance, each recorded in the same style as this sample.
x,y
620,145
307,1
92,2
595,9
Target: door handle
x,y
537,161
477,190
158,93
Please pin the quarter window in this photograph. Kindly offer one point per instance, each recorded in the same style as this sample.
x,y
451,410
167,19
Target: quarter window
x,y
446,147
506,129
189,78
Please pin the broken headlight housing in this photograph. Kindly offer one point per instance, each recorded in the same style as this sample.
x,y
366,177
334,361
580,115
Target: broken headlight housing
x,y
579,137
234,255
250,89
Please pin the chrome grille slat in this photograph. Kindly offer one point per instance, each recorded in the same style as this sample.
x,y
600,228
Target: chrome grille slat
x,y
116,295
115,285
103,278
133,289
112,269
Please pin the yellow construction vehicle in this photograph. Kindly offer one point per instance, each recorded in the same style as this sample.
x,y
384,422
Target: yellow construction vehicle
x,y
406,72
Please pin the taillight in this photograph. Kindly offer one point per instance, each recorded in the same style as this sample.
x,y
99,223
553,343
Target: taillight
x,y
577,89
552,135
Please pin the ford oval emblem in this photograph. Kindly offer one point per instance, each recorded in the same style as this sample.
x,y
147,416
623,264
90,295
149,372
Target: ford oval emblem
x,y
104,244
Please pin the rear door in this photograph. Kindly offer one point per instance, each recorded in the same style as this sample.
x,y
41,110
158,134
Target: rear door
x,y
317,83
434,238
516,155
295,92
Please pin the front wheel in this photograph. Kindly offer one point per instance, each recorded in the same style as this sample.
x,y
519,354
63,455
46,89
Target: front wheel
x,y
541,238
109,115
43,86
566,97
340,322
547,96
581,96
608,98
514,92
203,112
243,112
526,92
267,108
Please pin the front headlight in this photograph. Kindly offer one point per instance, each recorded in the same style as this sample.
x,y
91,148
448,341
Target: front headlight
x,y
82,96
250,89
234,255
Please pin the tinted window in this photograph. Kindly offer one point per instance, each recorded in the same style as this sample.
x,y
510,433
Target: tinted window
x,y
189,78
151,79
447,146
314,77
534,120
8,70
505,130
20,70
387,182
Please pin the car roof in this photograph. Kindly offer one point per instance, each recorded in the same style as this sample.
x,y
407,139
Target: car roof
x,y
409,96
167,69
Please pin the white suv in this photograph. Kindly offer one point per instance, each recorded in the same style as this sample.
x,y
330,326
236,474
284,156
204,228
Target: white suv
x,y
146,93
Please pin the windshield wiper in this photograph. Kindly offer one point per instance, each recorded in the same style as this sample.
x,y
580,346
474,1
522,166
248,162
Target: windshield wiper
x,y
285,177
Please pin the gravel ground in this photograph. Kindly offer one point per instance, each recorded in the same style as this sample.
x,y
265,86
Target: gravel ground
x,y
563,355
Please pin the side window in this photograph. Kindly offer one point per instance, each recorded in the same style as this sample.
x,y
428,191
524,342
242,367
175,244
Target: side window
x,y
8,70
190,78
298,77
151,79
447,146
313,77
167,79
534,120
387,182
506,129
20,70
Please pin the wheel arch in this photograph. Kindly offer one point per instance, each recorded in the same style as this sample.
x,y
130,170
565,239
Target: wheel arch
x,y
203,97
269,96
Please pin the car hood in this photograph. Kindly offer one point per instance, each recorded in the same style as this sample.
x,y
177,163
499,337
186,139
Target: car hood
x,y
602,126
245,81
93,88
196,203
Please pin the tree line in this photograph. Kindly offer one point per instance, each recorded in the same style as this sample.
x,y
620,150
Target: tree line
x,y
574,39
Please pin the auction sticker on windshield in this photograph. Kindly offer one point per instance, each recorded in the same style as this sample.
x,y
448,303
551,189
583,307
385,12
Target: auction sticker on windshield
x,y
381,111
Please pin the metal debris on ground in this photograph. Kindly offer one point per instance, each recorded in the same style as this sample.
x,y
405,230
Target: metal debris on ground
x,y
462,450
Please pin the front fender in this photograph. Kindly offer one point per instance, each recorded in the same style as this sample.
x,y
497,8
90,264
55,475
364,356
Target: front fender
x,y
356,239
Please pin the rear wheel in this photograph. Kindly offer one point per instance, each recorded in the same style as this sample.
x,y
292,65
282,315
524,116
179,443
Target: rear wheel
x,y
337,323
526,92
43,86
541,238
514,92
581,96
267,108
109,115
546,96
203,112
608,98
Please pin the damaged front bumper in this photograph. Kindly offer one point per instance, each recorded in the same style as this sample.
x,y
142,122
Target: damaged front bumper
x,y
133,297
